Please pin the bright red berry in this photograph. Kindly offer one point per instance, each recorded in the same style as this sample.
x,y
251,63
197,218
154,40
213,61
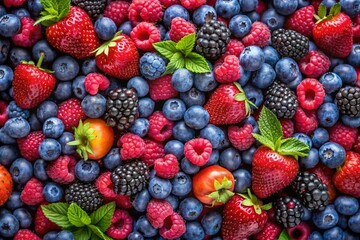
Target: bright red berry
x,y
314,64
343,135
62,170
241,137
270,231
105,186
117,11
70,113
160,127
192,4
29,33
198,151
145,10
121,225
13,3
302,21
42,223
356,146
310,93
94,82
305,121
144,35
32,193
131,146
174,227
123,201
168,3
29,145
180,28
259,35
287,127
153,151
234,47
157,211
167,167
162,89
228,70
3,115
25,234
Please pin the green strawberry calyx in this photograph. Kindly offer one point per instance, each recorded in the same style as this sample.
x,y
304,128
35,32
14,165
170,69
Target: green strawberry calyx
x,y
83,136
222,193
271,135
241,96
39,63
250,200
104,48
322,12
54,11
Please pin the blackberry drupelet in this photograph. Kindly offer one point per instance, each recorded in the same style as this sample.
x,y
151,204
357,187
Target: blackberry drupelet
x,y
121,108
281,100
85,195
290,43
130,178
288,211
94,8
312,192
348,101
212,38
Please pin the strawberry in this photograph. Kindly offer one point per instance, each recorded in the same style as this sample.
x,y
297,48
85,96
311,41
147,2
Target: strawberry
x,y
333,33
243,216
271,231
275,163
32,84
228,104
118,57
347,178
69,29
5,185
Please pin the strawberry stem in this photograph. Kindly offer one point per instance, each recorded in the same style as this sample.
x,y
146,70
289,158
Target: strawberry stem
x,y
222,194
250,200
83,136
242,97
41,59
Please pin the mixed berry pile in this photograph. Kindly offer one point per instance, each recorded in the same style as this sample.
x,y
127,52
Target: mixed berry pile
x,y
179,119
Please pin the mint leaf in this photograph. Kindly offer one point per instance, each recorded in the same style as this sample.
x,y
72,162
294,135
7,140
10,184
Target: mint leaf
x,y
335,9
57,213
83,233
95,237
265,141
322,11
284,235
166,48
102,217
196,63
176,62
77,216
186,44
98,232
293,147
269,125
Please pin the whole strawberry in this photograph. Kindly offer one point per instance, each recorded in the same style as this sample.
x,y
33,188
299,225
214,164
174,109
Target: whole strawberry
x,y
228,104
69,29
32,84
118,57
333,33
6,184
275,163
243,216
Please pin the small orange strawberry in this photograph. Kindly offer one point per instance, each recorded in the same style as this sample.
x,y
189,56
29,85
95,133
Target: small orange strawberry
x,y
6,184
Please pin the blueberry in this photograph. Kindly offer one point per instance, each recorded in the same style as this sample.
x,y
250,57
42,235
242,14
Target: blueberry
x,y
34,122
285,7
89,66
35,7
94,106
9,225
126,28
6,139
306,215
49,149
112,159
252,121
200,14
17,127
325,219
271,55
182,80
320,136
2,11
286,70
162,30
194,231
315,235
230,159
140,85
6,77
146,107
8,153
13,110
105,28
64,235
182,132
46,109
254,16
9,25
244,76
135,236
78,87
346,205
24,217
311,160
174,147
173,12
350,7
21,171
249,5
211,222
227,8
354,223
40,170
190,208
334,233
188,167
205,82
347,73
332,154
264,77
353,122
159,188
17,55
328,114
273,19
63,140
242,180
348,235
196,117
331,82
240,25
303,138
66,68
354,56
53,127
181,184
193,97
141,200
4,50
43,47
50,235
63,91
252,58
87,171
140,127
214,134
152,65
53,192
143,226
14,201
174,109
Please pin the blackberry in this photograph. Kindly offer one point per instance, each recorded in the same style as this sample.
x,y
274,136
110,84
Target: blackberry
x,y
130,178
290,43
85,195
288,211
312,192
212,38
281,100
121,108
94,8
348,101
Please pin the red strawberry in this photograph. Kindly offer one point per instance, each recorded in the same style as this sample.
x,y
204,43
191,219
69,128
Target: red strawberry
x,y
6,184
347,177
69,29
243,216
32,84
333,33
228,104
271,231
118,57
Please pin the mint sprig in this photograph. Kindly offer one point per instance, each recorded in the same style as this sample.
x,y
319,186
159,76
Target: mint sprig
x,y
181,55
272,136
54,11
75,219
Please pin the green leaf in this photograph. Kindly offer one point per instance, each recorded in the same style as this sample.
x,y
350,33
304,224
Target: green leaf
x,y
95,237
166,48
335,9
57,213
196,63
176,62
98,232
269,125
293,147
54,8
240,97
83,233
284,235
77,216
265,141
102,217
186,44
322,11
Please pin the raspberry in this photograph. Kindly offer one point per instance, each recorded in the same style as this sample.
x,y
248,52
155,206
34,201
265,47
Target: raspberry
x,y
314,64
29,33
305,121
287,127
168,3
157,211
270,231
32,193
316,4
105,186
13,3
234,47
259,35
192,4
29,145
198,151
70,113
356,146
241,137
310,93
153,151
160,127
302,21
162,89
123,201
228,70
117,11
343,135
145,11
121,225
145,35
25,234
132,146
261,7
62,170
180,28
94,82
42,223
166,167
174,227
3,115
